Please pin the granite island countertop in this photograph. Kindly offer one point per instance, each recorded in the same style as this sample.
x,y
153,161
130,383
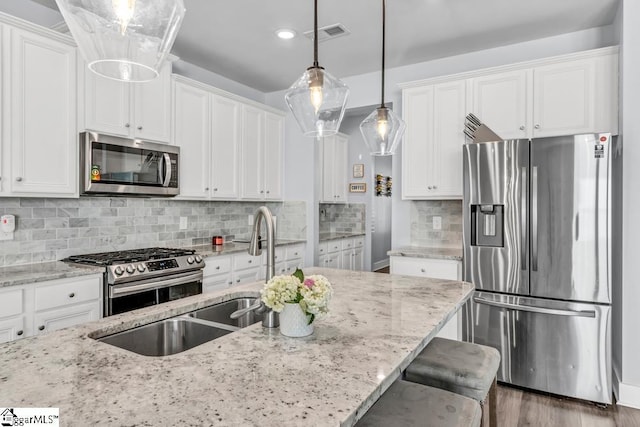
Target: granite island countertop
x,y
428,252
377,325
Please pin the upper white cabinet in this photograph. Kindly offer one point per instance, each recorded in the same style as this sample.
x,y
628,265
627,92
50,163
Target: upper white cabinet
x,y
432,151
261,154
225,146
334,168
39,139
135,110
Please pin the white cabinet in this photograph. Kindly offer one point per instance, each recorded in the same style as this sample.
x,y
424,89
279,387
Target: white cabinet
x,y
37,308
39,145
217,273
432,151
226,133
261,154
334,168
333,260
435,269
346,254
135,110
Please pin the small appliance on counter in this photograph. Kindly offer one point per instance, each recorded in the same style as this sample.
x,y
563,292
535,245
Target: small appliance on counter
x,y
144,277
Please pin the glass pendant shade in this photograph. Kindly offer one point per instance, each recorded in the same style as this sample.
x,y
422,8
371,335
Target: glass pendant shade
x,y
317,100
382,131
124,39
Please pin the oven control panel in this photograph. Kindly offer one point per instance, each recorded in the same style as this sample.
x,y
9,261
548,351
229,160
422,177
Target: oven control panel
x,y
164,264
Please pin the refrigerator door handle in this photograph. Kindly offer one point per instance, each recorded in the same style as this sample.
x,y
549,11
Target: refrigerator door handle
x,y
541,310
534,218
523,220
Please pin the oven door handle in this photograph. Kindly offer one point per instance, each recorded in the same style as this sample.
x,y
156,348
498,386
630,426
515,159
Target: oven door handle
x,y
134,288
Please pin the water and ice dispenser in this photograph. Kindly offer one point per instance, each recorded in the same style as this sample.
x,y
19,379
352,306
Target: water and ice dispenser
x,y
487,225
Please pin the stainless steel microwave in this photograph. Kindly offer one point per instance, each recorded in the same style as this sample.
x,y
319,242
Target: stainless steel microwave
x,y
120,166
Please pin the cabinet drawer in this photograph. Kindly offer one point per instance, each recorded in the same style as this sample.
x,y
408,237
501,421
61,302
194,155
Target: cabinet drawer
x,y
246,276
347,244
242,261
423,267
65,317
12,303
64,292
295,252
323,248
11,329
334,246
217,265
279,254
358,242
216,282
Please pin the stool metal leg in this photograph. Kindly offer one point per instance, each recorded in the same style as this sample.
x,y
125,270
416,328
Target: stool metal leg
x,y
493,404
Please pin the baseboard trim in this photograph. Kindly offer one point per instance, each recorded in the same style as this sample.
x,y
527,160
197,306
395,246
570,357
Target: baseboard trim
x,y
626,394
380,264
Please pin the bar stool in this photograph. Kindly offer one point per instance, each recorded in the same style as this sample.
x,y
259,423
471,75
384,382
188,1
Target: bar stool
x,y
409,404
460,367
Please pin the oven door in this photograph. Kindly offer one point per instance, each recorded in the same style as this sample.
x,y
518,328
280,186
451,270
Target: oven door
x,y
127,166
145,293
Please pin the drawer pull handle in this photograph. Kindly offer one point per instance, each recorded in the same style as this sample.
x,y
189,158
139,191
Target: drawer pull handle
x,y
19,333
423,270
218,268
41,328
72,294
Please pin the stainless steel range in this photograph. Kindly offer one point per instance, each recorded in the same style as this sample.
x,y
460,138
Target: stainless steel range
x,y
144,277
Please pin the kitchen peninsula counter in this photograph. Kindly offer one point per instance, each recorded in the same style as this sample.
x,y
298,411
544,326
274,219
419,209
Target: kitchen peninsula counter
x,y
378,323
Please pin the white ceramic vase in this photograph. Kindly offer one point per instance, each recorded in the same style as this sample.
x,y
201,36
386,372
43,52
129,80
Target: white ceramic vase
x,y
294,322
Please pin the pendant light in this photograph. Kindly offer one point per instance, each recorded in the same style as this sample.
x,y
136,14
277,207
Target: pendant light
x,y
382,129
317,99
124,39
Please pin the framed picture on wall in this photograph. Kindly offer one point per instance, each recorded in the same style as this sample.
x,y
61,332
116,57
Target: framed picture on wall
x,y
358,171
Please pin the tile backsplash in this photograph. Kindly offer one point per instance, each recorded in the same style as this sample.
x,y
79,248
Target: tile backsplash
x,y
52,229
342,218
422,231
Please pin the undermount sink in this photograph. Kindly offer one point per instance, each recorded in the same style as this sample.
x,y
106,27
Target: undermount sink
x,y
178,334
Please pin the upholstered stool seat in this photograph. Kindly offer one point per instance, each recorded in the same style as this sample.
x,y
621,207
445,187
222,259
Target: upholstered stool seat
x,y
409,404
460,367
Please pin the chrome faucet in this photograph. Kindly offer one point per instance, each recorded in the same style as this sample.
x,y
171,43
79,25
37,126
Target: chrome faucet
x,y
270,318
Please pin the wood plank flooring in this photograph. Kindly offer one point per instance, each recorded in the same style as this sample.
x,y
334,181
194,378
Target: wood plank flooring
x,y
518,407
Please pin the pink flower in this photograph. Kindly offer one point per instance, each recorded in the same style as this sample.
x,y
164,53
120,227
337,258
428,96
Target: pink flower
x,y
309,283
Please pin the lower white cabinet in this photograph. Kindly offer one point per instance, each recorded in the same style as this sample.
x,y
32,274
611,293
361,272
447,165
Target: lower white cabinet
x,y
435,269
345,254
38,308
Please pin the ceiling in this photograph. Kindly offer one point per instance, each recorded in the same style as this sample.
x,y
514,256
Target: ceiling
x,y
235,38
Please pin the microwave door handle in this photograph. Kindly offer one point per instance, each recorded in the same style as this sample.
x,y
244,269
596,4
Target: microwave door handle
x,y
167,170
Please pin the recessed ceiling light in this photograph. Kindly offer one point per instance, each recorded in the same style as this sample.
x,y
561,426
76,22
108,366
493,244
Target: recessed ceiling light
x,y
285,33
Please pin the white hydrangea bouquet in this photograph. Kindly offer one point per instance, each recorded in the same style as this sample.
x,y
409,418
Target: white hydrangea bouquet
x,y
312,293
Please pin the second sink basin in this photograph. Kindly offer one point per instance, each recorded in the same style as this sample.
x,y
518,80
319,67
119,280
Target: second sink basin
x,y
220,313
166,337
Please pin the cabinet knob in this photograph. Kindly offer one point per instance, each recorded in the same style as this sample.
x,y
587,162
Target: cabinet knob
x,y
19,333
19,178
429,187
127,125
215,189
422,270
218,268
250,261
237,280
261,191
139,127
435,187
268,191
537,126
522,127
41,328
72,294
206,188
230,283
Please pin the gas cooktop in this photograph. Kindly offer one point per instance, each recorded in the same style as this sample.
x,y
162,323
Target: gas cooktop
x,y
130,256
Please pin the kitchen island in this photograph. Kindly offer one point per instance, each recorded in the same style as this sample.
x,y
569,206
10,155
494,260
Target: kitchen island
x,y
378,323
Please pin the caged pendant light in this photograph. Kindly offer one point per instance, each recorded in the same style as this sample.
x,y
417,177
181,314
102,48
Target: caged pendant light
x,y
125,40
382,130
317,99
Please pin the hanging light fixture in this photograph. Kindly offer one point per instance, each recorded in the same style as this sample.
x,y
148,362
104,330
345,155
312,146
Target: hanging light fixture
x,y
382,129
124,39
317,99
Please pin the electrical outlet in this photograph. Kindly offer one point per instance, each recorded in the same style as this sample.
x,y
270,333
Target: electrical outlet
x,y
437,223
250,222
183,223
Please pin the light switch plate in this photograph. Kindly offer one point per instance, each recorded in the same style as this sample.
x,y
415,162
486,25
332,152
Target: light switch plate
x,y
437,223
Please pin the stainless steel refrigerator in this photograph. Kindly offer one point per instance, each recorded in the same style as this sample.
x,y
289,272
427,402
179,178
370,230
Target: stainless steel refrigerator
x,y
537,246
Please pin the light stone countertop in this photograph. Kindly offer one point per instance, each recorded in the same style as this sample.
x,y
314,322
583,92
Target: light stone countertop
x,y
254,377
41,272
425,252
235,247
325,237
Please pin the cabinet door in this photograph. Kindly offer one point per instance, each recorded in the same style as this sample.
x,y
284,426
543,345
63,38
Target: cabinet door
x,y
448,125
564,98
418,145
42,115
152,107
247,276
216,283
502,102
107,105
273,144
340,164
252,186
53,320
424,267
12,329
328,169
191,132
226,132
358,259
346,259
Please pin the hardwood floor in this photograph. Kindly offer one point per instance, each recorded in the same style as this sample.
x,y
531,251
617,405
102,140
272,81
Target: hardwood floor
x,y
383,270
518,407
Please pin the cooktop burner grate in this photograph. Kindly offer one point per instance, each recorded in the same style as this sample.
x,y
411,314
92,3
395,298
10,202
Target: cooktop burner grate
x,y
129,256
